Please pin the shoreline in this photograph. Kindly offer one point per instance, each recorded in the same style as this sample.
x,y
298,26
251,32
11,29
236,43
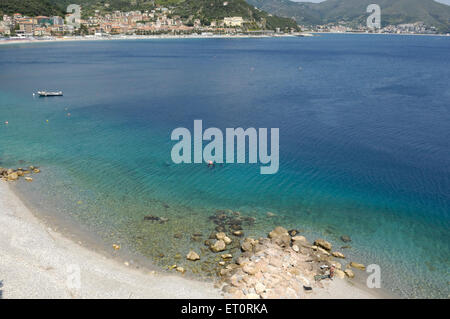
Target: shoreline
x,y
36,262
199,36
45,253
143,37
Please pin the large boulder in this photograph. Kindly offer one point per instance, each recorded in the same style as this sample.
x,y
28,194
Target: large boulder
x,y
280,236
322,243
248,244
13,177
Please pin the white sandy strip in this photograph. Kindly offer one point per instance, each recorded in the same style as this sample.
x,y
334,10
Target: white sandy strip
x,y
36,262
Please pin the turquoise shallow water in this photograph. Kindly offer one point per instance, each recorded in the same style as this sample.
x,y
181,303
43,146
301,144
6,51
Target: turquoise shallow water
x,y
364,142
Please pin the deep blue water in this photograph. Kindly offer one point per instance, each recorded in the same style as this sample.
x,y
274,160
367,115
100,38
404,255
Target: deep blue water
x,y
364,141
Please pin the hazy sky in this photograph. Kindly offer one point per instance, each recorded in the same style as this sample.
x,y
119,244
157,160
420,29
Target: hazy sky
x,y
442,1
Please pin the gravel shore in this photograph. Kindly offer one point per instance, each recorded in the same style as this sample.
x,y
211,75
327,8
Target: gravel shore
x,y
36,262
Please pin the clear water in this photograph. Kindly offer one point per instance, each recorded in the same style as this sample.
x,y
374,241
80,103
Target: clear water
x,y
364,143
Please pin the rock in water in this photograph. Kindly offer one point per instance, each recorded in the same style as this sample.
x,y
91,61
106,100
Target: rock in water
x,y
192,255
220,235
357,266
13,177
345,239
322,243
349,273
248,244
338,254
280,236
219,245
181,269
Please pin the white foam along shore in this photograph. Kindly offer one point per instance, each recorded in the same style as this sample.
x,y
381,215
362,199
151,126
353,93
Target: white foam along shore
x,y
38,262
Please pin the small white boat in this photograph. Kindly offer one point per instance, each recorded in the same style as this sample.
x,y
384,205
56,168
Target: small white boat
x,y
48,93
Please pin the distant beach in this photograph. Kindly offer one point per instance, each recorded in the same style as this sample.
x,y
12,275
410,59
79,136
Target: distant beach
x,y
143,37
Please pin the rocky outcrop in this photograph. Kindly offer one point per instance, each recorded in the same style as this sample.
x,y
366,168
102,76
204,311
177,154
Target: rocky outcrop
x,y
12,175
280,236
280,266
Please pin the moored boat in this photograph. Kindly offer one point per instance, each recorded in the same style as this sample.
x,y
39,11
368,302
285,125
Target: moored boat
x,y
48,93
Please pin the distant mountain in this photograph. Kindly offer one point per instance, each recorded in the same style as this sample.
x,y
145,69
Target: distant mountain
x,y
354,11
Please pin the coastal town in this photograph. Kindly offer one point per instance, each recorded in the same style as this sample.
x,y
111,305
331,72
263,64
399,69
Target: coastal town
x,y
163,21
406,28
158,21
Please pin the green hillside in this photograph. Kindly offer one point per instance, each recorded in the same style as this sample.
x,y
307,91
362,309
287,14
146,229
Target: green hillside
x,y
205,10
354,11
29,7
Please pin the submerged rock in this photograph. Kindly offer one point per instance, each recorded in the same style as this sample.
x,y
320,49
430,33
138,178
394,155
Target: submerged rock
x,y
346,239
192,255
152,218
322,243
337,254
218,246
357,266
181,269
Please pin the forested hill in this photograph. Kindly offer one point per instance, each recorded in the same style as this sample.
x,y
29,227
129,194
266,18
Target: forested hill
x,y
30,7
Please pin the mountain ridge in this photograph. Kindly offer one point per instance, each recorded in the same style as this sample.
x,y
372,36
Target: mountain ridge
x,y
354,11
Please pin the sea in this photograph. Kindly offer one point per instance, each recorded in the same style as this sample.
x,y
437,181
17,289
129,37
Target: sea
x,y
364,145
